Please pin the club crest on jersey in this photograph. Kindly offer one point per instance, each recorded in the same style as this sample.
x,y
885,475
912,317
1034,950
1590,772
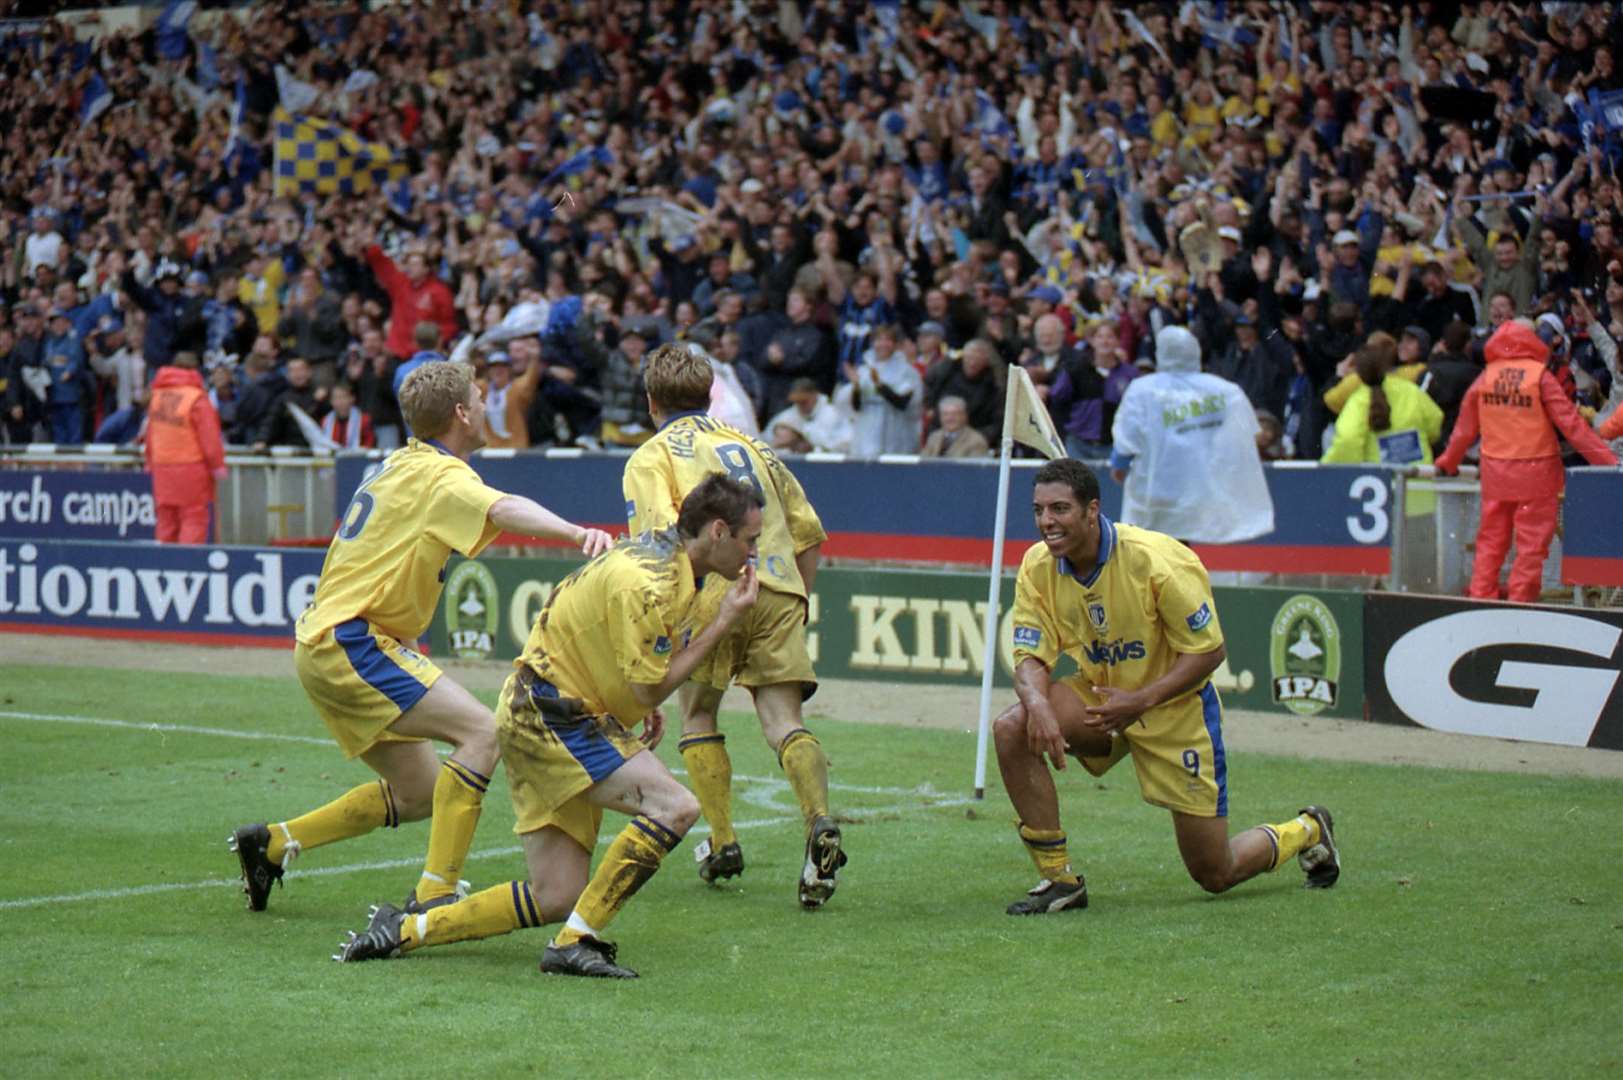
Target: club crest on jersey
x,y
1096,616
1199,619
631,509
662,645
1028,637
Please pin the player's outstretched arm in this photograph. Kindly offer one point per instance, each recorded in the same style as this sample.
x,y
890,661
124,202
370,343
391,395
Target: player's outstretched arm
x,y
526,517
739,599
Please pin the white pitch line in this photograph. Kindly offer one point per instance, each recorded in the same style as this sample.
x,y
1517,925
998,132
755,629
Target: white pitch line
x,y
391,864
165,729
228,733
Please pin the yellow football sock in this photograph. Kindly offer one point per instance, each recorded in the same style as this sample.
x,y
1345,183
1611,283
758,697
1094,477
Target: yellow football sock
x,y
1295,835
459,795
804,763
500,909
710,775
354,813
631,860
1047,850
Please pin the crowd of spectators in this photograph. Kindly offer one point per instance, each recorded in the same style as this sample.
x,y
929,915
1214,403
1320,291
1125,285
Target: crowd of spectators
x,y
864,212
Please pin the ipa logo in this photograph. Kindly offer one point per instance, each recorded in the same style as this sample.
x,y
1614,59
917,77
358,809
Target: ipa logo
x,y
1305,656
472,608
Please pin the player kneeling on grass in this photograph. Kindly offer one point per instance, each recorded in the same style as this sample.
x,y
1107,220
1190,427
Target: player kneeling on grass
x,y
380,699
1135,610
613,641
766,653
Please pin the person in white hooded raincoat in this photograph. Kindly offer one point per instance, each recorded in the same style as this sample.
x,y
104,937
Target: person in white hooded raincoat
x,y
1185,444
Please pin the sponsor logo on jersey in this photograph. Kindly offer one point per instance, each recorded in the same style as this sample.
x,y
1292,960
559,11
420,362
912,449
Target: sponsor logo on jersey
x,y
472,608
1199,618
631,509
1106,653
1028,637
1305,656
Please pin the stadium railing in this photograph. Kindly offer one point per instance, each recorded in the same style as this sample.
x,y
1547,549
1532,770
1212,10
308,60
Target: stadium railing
x,y
278,496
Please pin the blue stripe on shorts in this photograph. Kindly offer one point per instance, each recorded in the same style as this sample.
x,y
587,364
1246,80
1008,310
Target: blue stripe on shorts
x,y
375,668
588,746
1212,711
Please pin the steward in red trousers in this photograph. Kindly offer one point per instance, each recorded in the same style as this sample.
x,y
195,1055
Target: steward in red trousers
x,y
1517,407
183,452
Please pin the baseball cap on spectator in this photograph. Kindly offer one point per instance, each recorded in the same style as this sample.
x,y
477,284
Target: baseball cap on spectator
x,y
930,326
27,311
197,277
60,313
1229,232
1242,319
682,243
1345,236
1550,329
498,357
1048,294
751,186
1422,338
998,288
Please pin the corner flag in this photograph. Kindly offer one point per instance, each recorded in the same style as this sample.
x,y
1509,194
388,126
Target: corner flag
x,y
1025,421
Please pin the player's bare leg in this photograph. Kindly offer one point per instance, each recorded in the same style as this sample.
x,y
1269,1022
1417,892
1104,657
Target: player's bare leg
x,y
1026,775
662,811
1213,859
1030,784
803,761
558,867
710,774
410,789
1218,862
455,791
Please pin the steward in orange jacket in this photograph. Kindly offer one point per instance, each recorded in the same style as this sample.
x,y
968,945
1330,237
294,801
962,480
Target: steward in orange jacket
x,y
183,452
1517,407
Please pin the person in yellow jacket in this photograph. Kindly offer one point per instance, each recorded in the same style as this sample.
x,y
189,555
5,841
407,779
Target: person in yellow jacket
x,y
1387,420
1335,398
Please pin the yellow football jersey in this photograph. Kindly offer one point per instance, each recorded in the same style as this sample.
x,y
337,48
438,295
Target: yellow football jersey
x,y
387,563
1124,620
617,620
690,447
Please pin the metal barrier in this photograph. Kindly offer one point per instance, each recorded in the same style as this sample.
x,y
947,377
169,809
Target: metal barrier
x,y
275,496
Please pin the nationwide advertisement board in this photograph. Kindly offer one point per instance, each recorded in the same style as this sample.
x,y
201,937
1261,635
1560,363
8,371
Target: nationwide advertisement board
x,y
201,595
1511,671
1288,651
44,504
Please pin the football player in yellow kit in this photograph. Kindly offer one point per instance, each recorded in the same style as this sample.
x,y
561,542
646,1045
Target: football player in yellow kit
x,y
767,652
380,698
1134,608
613,641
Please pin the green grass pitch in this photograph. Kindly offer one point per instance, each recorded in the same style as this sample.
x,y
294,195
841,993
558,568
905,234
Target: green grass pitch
x,y
1476,931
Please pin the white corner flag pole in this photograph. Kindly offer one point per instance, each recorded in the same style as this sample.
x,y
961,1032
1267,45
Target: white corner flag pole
x,y
994,591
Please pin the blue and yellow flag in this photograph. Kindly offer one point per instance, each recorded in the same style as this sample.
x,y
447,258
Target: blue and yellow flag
x,y
314,155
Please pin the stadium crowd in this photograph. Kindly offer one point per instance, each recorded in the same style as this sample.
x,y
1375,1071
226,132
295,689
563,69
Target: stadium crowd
x,y
864,212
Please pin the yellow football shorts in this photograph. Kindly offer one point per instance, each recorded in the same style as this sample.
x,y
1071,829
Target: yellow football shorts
x,y
1178,755
554,751
767,647
360,680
